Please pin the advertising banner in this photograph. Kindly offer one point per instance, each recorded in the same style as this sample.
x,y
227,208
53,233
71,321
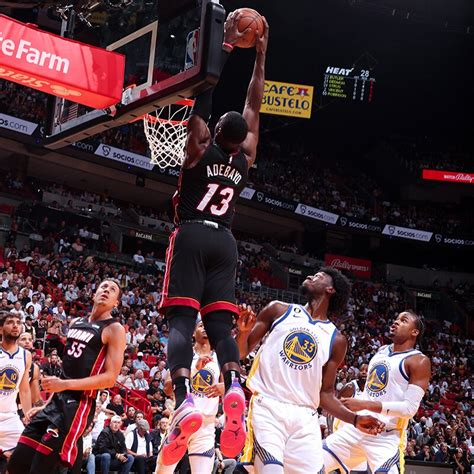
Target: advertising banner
x,y
123,156
407,233
449,176
282,98
314,213
17,125
62,67
357,266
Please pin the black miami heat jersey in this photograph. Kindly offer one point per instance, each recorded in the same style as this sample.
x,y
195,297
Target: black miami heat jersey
x,y
210,189
85,353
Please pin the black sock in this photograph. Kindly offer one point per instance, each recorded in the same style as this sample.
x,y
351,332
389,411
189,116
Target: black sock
x,y
229,377
180,389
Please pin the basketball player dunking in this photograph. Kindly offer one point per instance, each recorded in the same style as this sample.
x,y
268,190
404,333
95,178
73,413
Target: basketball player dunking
x,y
206,390
92,360
293,374
15,363
398,377
202,254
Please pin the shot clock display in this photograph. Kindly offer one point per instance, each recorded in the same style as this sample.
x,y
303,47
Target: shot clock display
x,y
348,83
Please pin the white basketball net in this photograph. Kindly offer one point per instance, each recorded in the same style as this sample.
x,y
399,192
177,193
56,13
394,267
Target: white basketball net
x,y
165,130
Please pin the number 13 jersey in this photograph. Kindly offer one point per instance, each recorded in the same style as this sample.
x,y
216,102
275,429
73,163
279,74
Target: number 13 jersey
x,y
210,190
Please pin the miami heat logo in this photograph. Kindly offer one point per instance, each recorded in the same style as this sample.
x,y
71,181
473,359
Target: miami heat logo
x,y
300,347
377,380
8,380
201,380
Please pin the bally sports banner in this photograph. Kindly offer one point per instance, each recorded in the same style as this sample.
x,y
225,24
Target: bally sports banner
x,y
292,100
450,176
62,67
357,266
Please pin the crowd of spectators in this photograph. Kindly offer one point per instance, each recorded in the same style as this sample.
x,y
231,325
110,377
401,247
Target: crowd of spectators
x,y
47,301
301,175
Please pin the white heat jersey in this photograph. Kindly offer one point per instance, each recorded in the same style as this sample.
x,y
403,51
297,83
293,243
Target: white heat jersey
x,y
12,368
387,381
289,365
200,380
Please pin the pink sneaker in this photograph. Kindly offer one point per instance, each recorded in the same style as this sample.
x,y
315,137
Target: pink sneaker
x,y
185,422
233,435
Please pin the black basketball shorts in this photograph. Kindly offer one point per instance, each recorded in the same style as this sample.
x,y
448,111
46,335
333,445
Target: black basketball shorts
x,y
59,427
201,263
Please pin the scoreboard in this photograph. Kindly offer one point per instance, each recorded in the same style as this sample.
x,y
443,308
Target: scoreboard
x,y
348,83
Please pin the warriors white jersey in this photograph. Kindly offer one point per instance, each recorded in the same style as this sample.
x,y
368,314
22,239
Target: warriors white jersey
x,y
289,365
12,368
387,381
200,380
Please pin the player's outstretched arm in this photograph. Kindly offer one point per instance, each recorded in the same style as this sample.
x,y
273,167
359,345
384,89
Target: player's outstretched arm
x,y
253,328
418,369
24,388
328,400
34,387
198,134
113,337
254,99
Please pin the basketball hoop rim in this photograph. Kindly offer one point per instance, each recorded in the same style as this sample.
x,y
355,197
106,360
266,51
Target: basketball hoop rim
x,y
152,119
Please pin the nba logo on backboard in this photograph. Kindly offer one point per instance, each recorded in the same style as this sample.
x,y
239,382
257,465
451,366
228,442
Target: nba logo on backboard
x,y
192,49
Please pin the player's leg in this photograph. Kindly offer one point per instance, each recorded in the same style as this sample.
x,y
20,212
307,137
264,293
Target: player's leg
x,y
385,453
343,450
218,310
11,428
304,449
268,430
201,448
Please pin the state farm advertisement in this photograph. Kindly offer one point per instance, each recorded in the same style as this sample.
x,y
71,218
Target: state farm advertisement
x,y
357,266
450,176
65,68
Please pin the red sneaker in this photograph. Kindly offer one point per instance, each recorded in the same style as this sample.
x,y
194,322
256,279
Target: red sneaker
x,y
185,422
233,435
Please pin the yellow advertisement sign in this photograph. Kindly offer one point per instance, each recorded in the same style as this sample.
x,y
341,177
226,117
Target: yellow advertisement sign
x,y
282,98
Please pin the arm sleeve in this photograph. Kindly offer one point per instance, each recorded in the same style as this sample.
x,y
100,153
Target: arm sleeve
x,y
408,407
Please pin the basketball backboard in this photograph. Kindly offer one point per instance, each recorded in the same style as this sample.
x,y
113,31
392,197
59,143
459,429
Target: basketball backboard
x,y
172,50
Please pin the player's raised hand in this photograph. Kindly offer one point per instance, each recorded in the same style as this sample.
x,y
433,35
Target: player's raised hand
x,y
262,39
231,28
368,424
247,318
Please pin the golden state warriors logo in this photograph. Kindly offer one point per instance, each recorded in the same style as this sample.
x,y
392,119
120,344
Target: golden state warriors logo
x,y
201,380
377,380
299,349
8,380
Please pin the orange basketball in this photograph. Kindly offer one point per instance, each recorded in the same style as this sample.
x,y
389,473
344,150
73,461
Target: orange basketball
x,y
252,20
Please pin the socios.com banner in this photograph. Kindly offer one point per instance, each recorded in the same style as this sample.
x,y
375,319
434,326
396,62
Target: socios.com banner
x,y
282,98
123,156
407,233
353,224
318,214
17,125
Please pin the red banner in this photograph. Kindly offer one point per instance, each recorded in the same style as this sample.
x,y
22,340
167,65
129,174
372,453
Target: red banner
x,y
78,72
357,266
450,176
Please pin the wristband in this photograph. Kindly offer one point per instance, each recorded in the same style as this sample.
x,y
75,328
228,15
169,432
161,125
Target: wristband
x,y
355,420
227,47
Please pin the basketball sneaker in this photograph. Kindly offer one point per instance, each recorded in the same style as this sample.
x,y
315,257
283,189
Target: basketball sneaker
x,y
233,435
185,422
